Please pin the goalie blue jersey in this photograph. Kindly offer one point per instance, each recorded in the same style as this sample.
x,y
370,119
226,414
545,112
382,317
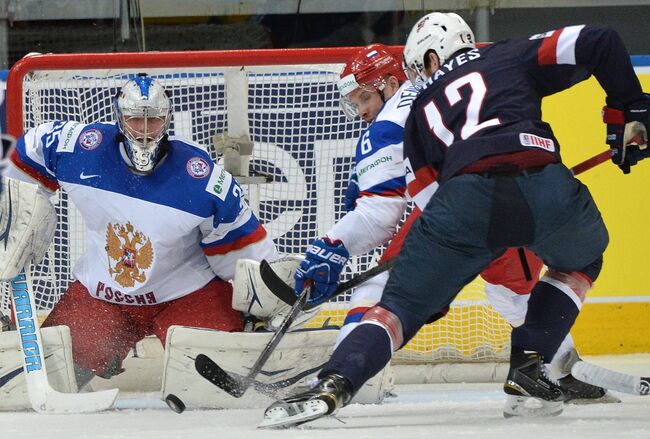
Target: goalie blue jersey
x,y
148,238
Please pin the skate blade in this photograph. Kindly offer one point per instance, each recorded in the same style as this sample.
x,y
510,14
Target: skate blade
x,y
293,414
527,406
607,398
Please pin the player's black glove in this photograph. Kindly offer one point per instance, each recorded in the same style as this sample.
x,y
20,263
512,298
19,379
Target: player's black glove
x,y
627,133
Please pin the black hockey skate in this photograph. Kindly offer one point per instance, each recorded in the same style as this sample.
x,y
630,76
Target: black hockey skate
x,y
326,398
579,392
530,390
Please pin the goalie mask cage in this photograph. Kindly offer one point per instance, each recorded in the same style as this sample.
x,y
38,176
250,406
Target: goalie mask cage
x,y
286,102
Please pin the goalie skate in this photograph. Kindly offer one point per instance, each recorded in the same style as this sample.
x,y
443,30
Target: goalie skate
x,y
329,395
530,391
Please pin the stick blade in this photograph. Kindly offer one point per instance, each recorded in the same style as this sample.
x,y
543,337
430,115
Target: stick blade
x,y
51,402
277,286
609,379
212,372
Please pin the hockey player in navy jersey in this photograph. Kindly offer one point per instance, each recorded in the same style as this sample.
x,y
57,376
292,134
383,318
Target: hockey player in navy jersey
x,y
164,227
373,87
476,128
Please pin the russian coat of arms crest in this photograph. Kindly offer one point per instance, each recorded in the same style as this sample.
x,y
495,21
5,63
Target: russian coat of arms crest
x,y
130,253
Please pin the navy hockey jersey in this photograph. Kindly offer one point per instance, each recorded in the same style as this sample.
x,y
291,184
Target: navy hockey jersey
x,y
487,101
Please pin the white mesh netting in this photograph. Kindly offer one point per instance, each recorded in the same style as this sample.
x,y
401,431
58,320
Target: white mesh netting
x,y
302,143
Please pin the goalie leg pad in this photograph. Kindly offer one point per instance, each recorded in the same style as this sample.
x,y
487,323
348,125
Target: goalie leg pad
x,y
295,361
58,361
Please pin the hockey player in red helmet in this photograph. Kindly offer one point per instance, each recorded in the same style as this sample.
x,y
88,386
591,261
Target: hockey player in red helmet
x,y
371,70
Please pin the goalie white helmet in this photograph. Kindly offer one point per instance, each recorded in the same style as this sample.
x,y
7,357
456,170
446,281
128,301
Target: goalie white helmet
x,y
143,112
444,33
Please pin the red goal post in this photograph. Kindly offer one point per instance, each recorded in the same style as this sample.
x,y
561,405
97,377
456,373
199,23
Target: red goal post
x,y
286,102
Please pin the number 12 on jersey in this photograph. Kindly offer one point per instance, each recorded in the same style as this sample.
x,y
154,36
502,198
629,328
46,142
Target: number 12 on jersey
x,y
472,112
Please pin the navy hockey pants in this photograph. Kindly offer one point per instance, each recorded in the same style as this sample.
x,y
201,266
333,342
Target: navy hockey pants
x,y
448,246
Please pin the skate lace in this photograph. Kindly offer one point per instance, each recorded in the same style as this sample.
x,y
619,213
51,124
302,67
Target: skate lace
x,y
545,375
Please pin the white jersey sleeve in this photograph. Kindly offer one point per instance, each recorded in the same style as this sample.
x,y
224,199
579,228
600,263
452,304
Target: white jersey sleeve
x,y
381,173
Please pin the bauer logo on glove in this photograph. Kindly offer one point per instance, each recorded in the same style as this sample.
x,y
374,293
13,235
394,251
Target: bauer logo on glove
x,y
323,264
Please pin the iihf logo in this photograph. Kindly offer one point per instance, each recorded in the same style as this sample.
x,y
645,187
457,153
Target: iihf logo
x,y
90,139
197,167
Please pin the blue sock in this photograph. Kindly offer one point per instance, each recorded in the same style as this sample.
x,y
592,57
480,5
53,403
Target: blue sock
x,y
360,356
550,316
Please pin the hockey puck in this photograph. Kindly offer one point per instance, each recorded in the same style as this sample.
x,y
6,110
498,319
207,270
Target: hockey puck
x,y
175,403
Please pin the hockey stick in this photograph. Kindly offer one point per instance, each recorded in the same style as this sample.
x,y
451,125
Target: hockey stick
x,y
287,294
236,387
592,162
609,379
43,398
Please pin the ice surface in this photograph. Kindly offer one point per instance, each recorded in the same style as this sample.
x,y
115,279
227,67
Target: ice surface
x,y
429,411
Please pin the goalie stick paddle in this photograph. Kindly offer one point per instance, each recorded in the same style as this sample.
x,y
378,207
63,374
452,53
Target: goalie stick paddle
x,y
285,293
234,386
43,398
609,379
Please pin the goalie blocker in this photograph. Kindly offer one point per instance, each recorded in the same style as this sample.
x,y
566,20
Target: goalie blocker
x,y
252,297
27,224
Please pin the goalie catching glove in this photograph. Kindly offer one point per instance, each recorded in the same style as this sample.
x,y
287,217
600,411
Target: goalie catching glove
x,y
627,133
324,261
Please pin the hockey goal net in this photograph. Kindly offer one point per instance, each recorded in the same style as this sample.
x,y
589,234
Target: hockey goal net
x,y
286,102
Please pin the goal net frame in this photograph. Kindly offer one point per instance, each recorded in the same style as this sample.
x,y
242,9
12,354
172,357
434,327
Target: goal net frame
x,y
286,102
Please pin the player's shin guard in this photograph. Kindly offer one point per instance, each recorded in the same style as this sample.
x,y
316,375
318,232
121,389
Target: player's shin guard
x,y
361,355
552,310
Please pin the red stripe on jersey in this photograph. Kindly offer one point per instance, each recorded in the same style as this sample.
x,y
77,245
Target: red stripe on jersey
x,y
51,185
390,193
547,52
238,244
423,178
359,309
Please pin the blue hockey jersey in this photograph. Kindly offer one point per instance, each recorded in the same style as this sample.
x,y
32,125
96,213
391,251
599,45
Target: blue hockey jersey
x,y
148,238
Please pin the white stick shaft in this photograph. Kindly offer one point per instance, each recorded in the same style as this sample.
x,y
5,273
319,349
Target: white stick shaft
x,y
609,379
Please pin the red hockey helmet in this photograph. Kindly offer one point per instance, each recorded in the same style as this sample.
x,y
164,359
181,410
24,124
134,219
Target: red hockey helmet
x,y
368,69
